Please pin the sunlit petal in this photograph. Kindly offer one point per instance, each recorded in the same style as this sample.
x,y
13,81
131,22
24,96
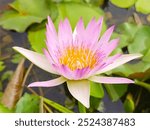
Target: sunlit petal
x,y
50,83
80,90
38,59
119,61
110,80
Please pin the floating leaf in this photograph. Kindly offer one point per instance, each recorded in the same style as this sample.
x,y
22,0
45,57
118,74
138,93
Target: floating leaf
x,y
96,90
31,7
24,13
14,88
73,11
123,3
37,39
28,104
141,41
116,91
143,6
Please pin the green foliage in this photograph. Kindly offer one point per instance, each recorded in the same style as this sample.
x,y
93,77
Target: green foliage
x,y
24,13
56,105
143,6
95,104
16,58
2,66
123,3
4,109
96,90
116,91
137,40
7,75
28,104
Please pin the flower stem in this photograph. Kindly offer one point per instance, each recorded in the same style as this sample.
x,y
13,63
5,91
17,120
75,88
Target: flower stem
x,y
56,105
142,84
81,108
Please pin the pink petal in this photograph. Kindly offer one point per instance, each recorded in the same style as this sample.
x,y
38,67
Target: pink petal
x,y
110,80
121,60
50,83
79,31
51,36
80,90
38,59
93,31
51,26
106,36
65,33
109,47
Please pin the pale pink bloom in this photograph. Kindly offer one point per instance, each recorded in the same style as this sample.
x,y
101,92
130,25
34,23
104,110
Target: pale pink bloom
x,y
78,57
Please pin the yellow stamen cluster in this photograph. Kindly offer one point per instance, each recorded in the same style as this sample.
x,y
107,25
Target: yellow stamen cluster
x,y
76,58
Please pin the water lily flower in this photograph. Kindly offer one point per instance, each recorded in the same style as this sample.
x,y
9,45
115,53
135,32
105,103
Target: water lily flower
x,y
78,57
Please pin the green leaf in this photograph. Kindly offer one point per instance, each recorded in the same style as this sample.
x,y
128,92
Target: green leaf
x,y
143,6
7,75
37,39
81,107
56,105
24,13
16,58
2,66
94,103
96,90
31,7
141,38
4,109
28,104
12,20
128,30
123,3
146,57
73,11
115,91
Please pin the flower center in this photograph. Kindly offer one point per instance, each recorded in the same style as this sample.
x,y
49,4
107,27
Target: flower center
x,y
76,58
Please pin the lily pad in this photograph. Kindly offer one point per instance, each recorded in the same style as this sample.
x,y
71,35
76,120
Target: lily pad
x,y
28,104
143,6
23,14
72,11
123,3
